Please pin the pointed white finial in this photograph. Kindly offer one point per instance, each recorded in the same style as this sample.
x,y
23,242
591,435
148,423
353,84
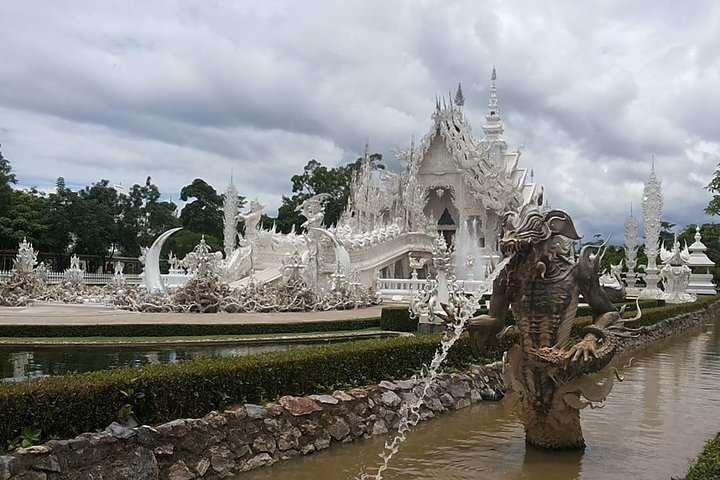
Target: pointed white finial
x,y
493,126
459,97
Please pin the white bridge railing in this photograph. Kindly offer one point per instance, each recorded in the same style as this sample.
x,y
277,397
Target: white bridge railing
x,y
90,278
399,288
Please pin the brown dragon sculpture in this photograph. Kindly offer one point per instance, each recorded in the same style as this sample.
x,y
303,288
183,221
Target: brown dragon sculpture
x,y
541,283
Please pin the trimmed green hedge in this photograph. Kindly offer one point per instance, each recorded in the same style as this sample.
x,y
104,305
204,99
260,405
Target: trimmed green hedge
x,y
707,465
183,330
397,319
67,405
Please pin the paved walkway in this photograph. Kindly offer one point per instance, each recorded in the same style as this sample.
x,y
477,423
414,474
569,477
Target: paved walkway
x,y
62,314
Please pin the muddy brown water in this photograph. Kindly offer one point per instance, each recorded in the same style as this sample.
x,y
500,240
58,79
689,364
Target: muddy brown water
x,y
652,426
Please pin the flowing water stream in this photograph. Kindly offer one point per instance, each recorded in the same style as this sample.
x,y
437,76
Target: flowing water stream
x,y
653,424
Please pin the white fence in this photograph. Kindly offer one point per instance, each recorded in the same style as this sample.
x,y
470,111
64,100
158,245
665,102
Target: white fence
x,y
90,278
403,288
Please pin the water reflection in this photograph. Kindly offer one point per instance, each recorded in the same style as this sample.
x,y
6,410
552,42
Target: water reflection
x,y
18,363
653,424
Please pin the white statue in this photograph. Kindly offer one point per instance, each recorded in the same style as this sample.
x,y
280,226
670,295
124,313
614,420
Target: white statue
x,y
675,274
252,220
312,210
26,258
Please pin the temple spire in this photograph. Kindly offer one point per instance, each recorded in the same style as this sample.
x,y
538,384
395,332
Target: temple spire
x,y
459,97
493,126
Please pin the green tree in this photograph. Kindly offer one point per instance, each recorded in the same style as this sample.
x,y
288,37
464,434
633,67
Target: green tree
x,y
713,207
143,217
667,235
7,180
23,219
95,216
203,214
316,179
58,217
21,212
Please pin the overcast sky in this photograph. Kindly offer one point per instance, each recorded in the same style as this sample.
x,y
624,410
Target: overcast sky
x,y
178,90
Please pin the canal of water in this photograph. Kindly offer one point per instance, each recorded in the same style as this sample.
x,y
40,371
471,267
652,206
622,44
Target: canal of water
x,y
651,427
19,363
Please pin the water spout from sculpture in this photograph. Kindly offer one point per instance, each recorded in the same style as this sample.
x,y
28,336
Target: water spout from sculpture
x,y
463,306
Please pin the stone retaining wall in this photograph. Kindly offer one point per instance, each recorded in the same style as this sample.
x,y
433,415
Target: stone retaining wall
x,y
669,327
223,444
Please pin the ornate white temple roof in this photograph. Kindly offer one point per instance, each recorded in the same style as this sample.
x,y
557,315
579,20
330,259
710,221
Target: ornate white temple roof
x,y
489,167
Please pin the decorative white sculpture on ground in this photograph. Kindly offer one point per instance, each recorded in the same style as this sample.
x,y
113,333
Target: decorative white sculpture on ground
x,y
437,291
26,258
701,280
652,206
416,263
74,274
631,250
675,274
119,279
252,220
230,211
152,281
24,284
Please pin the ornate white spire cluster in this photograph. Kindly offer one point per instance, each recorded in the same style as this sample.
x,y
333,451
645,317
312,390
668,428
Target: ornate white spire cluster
x,y
631,245
230,211
652,206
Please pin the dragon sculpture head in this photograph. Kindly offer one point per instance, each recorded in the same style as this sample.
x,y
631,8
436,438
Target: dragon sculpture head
x,y
528,227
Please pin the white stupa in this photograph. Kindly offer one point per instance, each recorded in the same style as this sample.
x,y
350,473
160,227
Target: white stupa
x,y
701,279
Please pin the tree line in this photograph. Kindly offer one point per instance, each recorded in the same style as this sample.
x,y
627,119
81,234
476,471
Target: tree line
x,y
107,221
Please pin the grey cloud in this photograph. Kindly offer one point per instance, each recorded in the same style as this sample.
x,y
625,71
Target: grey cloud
x,y
126,90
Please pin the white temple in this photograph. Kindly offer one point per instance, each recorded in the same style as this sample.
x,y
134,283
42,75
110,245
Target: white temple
x,y
451,184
